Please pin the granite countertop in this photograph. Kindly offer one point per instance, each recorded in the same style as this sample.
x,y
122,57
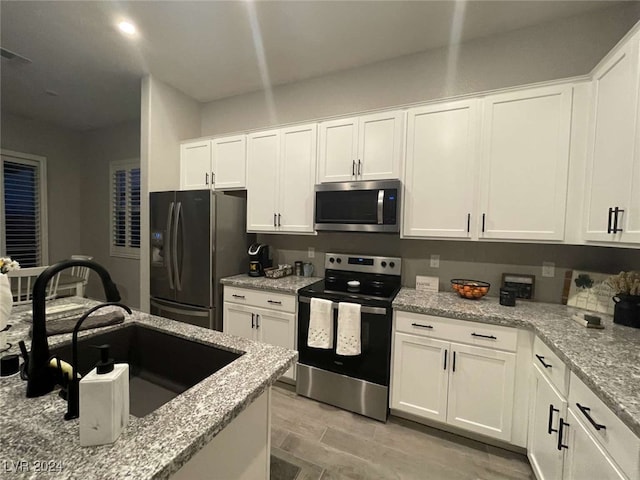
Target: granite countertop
x,y
608,360
290,284
155,446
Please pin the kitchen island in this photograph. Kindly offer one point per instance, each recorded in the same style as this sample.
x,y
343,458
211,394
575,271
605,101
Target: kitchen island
x,y
36,442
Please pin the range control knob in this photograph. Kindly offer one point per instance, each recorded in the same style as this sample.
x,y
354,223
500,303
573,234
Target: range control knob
x,y
339,260
392,264
331,259
384,264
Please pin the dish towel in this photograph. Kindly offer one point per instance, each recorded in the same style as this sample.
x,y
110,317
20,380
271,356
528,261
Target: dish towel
x,y
320,324
349,343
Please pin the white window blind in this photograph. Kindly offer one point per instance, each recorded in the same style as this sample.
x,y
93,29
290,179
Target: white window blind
x,y
125,208
23,200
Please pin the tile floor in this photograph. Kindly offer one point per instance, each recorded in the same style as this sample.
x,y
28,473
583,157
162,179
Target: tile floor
x,y
329,443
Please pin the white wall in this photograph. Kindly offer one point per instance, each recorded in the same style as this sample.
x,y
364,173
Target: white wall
x,y
167,117
558,49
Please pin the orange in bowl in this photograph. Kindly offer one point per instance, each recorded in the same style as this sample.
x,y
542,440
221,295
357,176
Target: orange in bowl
x,y
472,289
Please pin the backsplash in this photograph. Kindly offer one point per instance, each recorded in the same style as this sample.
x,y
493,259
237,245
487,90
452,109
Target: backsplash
x,y
485,261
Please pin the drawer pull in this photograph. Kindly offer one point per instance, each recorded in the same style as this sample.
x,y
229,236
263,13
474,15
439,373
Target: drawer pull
x,y
585,411
544,364
560,433
238,296
550,428
491,337
274,302
420,325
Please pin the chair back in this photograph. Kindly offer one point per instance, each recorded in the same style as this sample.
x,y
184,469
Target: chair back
x,y
23,280
82,272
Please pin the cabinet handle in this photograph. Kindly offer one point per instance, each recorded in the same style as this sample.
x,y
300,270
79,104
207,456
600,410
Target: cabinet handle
x,y
560,434
213,178
420,325
445,358
544,364
238,296
257,320
483,217
550,428
359,167
585,411
353,168
491,337
609,220
274,220
453,365
206,178
468,222
279,220
616,211
274,302
253,325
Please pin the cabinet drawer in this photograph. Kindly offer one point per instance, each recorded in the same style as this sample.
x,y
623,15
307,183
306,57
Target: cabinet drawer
x,y
473,333
260,298
616,438
549,363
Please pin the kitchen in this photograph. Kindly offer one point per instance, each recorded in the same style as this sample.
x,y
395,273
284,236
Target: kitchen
x,y
483,65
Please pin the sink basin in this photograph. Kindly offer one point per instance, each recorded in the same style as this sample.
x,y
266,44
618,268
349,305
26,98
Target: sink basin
x,y
161,365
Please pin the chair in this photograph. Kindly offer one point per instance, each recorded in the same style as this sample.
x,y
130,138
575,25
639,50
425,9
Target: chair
x,y
22,281
80,277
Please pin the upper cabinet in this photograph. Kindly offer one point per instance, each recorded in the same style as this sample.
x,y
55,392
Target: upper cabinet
x,y
218,164
361,148
612,193
280,180
524,164
440,170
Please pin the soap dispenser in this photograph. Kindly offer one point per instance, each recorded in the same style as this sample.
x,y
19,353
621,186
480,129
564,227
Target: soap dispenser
x,y
104,401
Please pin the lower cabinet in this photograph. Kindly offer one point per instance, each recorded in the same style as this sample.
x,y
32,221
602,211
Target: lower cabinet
x,y
466,386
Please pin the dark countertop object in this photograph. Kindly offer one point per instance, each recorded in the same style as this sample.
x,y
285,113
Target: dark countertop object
x,y
608,360
154,446
290,284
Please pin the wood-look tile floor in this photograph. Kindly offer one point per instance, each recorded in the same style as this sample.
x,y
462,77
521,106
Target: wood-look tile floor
x,y
329,443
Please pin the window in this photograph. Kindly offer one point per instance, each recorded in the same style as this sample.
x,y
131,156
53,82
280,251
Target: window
x,y
125,208
23,201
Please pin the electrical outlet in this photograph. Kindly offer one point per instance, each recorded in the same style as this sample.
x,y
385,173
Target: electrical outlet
x,y
311,253
548,269
434,261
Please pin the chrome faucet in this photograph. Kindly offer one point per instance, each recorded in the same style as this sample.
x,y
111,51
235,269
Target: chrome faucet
x,y
41,378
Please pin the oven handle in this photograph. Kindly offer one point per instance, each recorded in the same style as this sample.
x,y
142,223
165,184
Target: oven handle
x,y
363,308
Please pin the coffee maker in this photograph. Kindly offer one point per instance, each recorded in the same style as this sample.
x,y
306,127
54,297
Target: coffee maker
x,y
258,259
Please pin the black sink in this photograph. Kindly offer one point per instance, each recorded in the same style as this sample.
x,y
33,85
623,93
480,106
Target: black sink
x,y
161,366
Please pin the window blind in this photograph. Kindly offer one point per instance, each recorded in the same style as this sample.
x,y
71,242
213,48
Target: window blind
x,y
125,209
22,211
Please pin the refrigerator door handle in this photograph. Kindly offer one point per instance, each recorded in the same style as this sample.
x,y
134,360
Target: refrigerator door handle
x,y
174,253
167,248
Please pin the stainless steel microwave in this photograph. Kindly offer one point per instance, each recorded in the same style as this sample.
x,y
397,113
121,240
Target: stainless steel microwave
x,y
371,206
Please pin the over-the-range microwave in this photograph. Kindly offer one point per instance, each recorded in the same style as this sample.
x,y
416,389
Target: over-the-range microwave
x,y
366,206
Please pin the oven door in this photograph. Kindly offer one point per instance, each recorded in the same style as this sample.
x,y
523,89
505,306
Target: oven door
x,y
371,365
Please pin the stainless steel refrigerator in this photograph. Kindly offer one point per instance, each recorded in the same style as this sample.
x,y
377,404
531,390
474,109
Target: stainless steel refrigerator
x,y
197,237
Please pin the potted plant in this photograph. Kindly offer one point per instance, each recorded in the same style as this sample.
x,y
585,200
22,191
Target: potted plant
x,y
627,299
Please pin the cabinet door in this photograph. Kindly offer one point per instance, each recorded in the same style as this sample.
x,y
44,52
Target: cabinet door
x,y
440,171
585,457
525,159
263,151
420,376
229,159
239,320
338,150
481,390
611,150
277,328
195,165
380,146
297,178
547,407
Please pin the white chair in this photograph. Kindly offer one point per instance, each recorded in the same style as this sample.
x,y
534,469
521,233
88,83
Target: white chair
x,y
80,278
22,281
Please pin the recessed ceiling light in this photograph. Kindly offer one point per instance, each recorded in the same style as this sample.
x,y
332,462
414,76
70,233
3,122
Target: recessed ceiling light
x,y
127,28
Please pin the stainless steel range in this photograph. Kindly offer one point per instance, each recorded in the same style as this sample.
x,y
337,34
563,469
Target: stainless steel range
x,y
359,383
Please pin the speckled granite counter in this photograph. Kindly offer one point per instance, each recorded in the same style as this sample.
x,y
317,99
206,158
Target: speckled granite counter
x,y
608,360
290,284
155,446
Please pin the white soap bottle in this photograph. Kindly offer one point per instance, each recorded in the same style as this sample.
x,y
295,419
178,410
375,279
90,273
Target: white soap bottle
x,y
104,401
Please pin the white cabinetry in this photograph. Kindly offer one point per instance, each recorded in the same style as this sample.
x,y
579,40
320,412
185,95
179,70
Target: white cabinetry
x,y
361,148
525,159
261,316
467,386
612,212
219,164
440,170
281,176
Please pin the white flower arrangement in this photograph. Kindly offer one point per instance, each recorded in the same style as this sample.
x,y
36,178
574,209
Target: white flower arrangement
x,y
7,265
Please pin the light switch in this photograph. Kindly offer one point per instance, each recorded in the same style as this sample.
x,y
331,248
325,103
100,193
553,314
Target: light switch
x,y
311,253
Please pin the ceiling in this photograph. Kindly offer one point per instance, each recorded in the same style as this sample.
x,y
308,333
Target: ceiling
x,y
211,50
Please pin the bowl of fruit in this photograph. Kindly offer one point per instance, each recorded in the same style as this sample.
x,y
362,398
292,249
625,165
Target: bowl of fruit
x,y
473,289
